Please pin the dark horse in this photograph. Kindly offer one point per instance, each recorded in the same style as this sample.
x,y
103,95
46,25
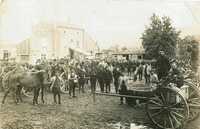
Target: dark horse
x,y
16,80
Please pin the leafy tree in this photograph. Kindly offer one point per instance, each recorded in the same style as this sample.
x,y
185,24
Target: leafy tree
x,y
160,36
188,51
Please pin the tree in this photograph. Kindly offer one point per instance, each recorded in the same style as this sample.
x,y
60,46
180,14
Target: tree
x,y
160,36
188,51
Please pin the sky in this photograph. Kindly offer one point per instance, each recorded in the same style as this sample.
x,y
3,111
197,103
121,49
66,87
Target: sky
x,y
109,22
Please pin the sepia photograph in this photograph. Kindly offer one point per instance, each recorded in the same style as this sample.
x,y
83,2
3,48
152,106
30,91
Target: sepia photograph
x,y
99,64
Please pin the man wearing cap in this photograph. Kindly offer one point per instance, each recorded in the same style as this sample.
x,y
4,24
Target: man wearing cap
x,y
162,65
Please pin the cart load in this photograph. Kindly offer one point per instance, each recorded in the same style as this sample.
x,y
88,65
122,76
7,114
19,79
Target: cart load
x,y
167,106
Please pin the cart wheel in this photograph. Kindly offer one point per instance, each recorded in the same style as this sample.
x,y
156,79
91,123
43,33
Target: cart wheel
x,y
168,109
26,94
64,87
64,84
193,101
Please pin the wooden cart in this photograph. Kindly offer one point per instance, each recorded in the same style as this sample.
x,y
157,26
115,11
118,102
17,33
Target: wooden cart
x,y
168,107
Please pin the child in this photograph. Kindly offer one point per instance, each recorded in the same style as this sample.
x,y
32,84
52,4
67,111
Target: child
x,y
73,82
153,80
55,88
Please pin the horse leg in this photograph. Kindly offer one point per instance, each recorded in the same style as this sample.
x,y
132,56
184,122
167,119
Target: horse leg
x,y
14,94
20,95
42,95
17,96
19,89
5,95
34,96
67,85
79,88
37,94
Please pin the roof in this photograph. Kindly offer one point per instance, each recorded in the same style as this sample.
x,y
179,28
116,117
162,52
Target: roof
x,y
79,50
128,53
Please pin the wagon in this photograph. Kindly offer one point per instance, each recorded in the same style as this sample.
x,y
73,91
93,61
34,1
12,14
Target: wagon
x,y
168,107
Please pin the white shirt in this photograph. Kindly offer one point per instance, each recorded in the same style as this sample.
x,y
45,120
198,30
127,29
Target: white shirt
x,y
148,70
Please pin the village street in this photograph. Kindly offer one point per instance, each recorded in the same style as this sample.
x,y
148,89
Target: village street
x,y
76,113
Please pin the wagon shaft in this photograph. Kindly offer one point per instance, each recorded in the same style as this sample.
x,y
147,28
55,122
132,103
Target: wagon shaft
x,y
118,95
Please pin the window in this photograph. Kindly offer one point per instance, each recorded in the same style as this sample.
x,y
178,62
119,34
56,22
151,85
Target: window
x,y
24,57
5,54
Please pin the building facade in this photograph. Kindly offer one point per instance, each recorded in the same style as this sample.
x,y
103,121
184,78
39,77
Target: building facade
x,y
55,41
23,51
68,38
7,51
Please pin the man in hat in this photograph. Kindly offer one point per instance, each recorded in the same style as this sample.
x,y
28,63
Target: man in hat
x,y
162,65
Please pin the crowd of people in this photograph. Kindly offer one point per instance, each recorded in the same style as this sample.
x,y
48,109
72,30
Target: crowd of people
x,y
94,74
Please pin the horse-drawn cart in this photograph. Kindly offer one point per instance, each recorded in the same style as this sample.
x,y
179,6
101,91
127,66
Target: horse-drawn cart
x,y
168,107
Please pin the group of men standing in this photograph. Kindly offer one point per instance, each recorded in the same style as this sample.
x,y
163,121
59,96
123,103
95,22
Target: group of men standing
x,y
81,74
93,73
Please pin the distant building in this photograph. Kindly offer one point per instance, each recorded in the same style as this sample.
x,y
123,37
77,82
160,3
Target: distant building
x,y
119,55
68,38
56,41
129,55
23,51
73,38
7,51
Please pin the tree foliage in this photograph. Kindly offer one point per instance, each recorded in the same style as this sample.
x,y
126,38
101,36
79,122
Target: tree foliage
x,y
160,36
188,51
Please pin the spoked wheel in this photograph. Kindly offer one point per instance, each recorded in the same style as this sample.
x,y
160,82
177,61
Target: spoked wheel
x,y
168,108
193,100
64,86
26,94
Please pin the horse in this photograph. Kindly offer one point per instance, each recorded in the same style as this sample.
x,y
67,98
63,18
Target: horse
x,y
16,80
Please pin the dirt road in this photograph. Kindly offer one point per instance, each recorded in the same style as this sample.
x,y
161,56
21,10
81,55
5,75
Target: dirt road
x,y
74,113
